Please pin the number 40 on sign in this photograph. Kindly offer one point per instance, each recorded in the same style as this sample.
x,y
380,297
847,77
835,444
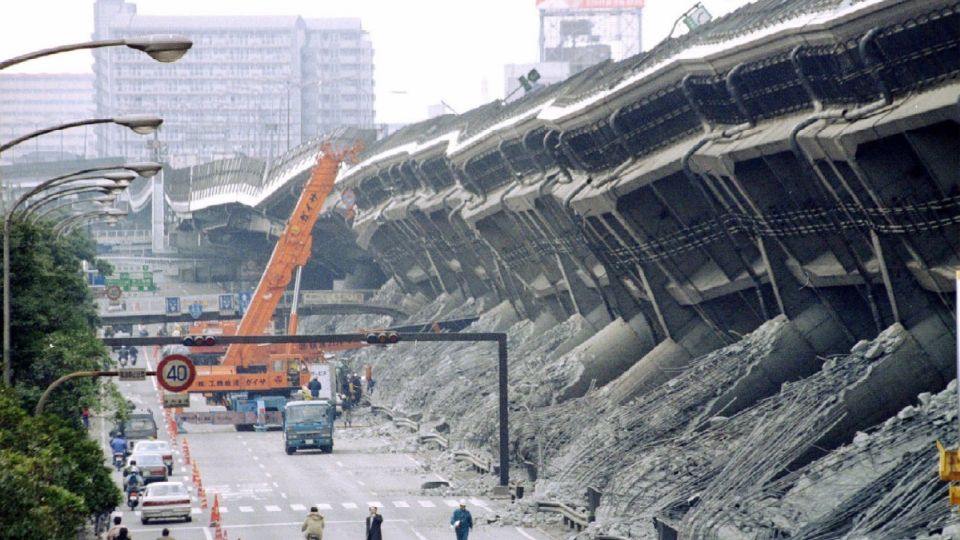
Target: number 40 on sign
x,y
175,373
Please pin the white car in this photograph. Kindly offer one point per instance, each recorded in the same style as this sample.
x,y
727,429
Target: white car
x,y
156,447
165,500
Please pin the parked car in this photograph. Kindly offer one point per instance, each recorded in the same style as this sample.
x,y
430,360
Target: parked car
x,y
151,467
156,447
165,500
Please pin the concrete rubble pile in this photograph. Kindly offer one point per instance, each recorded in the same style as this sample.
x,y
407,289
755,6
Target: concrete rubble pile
x,y
662,413
694,483
882,485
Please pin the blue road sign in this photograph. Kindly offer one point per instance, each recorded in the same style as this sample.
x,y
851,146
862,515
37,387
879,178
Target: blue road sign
x,y
226,302
173,304
196,310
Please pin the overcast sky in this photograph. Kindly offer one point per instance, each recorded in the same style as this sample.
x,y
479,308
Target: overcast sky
x,y
424,50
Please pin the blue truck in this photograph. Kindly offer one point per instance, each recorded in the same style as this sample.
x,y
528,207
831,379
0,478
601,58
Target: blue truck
x,y
308,424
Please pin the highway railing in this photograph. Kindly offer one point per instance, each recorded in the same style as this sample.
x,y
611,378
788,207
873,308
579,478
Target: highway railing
x,y
572,517
435,438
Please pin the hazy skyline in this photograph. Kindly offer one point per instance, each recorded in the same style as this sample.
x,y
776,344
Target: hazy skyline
x,y
424,50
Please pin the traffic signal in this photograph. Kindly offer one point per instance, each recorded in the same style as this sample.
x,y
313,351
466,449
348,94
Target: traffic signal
x,y
199,341
382,338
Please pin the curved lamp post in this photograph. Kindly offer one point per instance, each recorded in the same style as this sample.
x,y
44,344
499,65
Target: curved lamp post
x,y
73,221
160,47
141,124
145,169
107,197
103,183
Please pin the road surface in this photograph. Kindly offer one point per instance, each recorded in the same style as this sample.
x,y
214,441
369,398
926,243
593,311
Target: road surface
x,y
265,494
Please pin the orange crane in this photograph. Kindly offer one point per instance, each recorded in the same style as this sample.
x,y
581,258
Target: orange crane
x,y
263,369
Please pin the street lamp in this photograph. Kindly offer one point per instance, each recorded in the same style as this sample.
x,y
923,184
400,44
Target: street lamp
x,y
142,124
145,169
64,227
161,47
107,184
107,197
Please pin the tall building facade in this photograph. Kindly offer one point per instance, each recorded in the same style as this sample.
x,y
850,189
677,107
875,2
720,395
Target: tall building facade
x,y
32,101
585,32
254,86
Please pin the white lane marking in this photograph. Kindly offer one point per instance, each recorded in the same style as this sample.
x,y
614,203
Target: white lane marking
x,y
261,465
452,504
416,532
246,509
224,510
481,504
350,505
401,504
524,533
298,508
196,511
339,464
206,530
378,504
272,508
269,475
284,495
323,506
256,458
427,504
361,482
276,484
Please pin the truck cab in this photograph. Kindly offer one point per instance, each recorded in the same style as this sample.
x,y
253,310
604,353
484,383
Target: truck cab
x,y
308,424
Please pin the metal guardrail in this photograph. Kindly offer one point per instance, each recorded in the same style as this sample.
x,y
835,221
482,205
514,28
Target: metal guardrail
x,y
435,438
481,465
407,423
571,517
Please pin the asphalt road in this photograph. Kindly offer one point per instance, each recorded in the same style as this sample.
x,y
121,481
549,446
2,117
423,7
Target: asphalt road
x,y
265,494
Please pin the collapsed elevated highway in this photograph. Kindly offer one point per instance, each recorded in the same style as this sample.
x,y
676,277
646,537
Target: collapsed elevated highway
x,y
793,162
751,229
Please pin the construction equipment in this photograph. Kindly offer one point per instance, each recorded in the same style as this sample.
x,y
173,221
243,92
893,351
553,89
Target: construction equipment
x,y
256,380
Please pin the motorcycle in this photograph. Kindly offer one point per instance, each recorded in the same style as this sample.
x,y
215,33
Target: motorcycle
x,y
118,460
133,498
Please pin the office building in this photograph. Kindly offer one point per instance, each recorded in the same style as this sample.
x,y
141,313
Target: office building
x,y
32,101
254,86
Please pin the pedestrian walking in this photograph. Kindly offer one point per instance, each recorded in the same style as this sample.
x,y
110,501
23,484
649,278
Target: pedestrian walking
x,y
165,535
461,521
312,527
85,415
374,520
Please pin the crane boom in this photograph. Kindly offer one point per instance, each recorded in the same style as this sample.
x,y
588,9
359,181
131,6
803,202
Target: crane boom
x,y
292,251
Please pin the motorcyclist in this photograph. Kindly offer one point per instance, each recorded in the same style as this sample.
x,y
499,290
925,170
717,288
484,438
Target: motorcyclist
x,y
130,470
134,480
132,351
122,355
313,526
118,444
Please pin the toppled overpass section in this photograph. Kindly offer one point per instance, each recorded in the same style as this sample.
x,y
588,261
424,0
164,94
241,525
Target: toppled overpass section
x,y
716,263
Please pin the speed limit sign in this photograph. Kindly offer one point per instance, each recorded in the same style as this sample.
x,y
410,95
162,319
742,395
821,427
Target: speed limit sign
x,y
175,373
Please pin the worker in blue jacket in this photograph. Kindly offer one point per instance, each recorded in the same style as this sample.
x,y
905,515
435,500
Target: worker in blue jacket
x,y
462,521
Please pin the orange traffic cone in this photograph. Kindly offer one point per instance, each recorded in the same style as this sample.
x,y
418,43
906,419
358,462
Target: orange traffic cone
x,y
203,498
215,512
186,452
219,534
196,473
